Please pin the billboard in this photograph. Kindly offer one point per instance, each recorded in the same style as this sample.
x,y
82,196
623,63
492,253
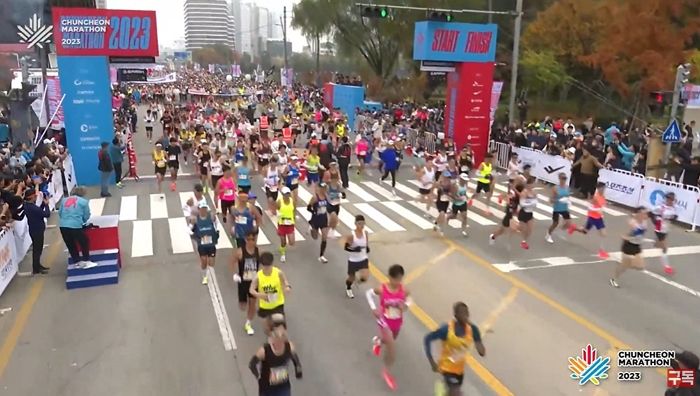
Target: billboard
x,y
454,42
91,32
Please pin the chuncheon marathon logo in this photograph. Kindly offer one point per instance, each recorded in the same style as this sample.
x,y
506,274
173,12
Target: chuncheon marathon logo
x,y
589,367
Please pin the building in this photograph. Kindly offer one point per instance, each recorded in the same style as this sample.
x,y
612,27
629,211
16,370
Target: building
x,y
208,22
101,3
255,26
243,14
276,48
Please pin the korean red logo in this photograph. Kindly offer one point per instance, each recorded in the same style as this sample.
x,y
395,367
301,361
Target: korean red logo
x,y
680,378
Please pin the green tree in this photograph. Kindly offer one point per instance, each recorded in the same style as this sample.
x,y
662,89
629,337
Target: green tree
x,y
214,54
310,19
542,71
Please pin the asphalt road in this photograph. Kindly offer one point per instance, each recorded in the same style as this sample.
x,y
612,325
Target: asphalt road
x,y
156,332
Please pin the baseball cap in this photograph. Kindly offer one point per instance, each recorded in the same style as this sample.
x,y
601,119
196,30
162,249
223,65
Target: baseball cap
x,y
252,196
286,190
464,176
203,205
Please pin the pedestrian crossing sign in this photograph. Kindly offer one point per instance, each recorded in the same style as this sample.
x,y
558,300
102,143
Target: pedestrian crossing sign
x,y
672,134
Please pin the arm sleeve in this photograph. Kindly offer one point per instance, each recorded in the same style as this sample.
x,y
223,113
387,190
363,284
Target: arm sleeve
x,y
476,334
370,299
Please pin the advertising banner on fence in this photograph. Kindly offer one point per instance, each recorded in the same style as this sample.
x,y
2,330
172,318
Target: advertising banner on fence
x,y
69,173
622,187
88,110
54,94
105,32
544,166
454,42
686,197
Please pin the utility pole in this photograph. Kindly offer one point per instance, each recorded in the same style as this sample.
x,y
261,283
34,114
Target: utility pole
x,y
516,56
284,43
682,72
490,9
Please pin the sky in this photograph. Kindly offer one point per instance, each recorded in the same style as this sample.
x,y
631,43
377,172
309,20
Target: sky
x,y
170,15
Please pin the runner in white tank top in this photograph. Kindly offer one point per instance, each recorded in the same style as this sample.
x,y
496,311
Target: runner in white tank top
x,y
357,246
426,179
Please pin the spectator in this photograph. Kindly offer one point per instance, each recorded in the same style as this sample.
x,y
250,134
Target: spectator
x,y
17,162
73,214
686,360
691,171
105,167
37,210
116,153
588,166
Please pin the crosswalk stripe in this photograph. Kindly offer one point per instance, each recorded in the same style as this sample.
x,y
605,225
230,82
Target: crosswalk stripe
x,y
142,238
303,194
97,206
262,238
411,192
184,197
179,235
379,217
454,223
348,219
360,192
572,208
542,206
499,213
297,235
307,216
224,242
408,215
128,208
159,207
381,191
608,210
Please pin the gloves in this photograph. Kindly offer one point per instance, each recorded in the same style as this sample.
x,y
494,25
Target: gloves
x,y
236,278
342,194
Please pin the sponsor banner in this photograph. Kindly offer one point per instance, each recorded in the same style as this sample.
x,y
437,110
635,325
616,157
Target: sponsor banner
x,y
543,166
88,111
132,75
8,264
686,197
56,189
496,90
691,94
69,173
527,156
454,42
622,187
104,32
286,79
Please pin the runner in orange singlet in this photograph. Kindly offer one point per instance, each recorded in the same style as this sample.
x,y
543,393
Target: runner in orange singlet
x,y
595,219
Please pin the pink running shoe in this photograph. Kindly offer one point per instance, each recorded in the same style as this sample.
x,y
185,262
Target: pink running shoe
x,y
524,245
669,270
390,381
603,255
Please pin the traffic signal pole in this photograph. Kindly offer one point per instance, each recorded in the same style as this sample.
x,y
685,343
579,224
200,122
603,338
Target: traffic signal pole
x,y
682,73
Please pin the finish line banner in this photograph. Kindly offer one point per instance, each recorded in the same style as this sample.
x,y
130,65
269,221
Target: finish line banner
x,y
103,32
454,42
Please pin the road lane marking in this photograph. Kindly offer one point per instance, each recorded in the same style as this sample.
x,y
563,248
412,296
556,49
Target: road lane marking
x,y
159,208
224,242
142,238
413,193
479,369
421,269
128,208
454,223
348,219
179,235
25,311
381,191
409,215
185,174
360,192
220,312
608,210
307,216
669,282
97,206
488,323
379,217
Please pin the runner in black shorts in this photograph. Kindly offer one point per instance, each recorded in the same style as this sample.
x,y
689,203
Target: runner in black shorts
x,y
528,203
357,246
245,267
511,210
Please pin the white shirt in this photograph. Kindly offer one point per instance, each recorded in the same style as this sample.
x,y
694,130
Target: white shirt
x,y
361,242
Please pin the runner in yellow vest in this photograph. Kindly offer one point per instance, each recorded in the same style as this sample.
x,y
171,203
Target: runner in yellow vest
x,y
484,181
285,221
269,287
456,336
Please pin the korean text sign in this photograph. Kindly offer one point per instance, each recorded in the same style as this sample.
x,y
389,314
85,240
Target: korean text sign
x,y
454,42
89,31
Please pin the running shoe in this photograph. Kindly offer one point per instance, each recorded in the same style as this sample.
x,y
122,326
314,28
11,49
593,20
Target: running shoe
x,y
205,280
603,255
390,381
89,264
173,186
492,240
524,245
323,259
283,258
120,185
249,329
668,269
571,229
548,238
376,346
614,283
464,233
349,293
500,199
488,212
470,202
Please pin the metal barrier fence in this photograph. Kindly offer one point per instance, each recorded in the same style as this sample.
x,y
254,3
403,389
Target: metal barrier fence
x,y
426,140
501,153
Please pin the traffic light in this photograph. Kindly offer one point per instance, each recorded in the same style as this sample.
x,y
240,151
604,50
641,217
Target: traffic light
x,y
375,12
440,16
657,103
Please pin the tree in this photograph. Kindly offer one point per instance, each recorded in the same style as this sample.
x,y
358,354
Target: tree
x,y
214,54
542,71
312,22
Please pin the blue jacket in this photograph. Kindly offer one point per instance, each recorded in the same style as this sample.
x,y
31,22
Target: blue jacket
x,y
627,156
36,215
73,212
115,152
390,159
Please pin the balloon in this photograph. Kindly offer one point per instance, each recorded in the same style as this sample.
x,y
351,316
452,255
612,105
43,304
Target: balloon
x,y
247,77
229,78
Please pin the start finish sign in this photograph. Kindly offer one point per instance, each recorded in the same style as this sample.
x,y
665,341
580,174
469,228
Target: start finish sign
x,y
103,32
454,42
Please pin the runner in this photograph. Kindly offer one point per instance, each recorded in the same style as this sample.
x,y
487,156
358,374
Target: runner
x,y
445,190
245,267
149,120
206,235
291,174
285,227
426,176
459,203
456,336
160,167
393,301
269,287
273,358
318,206
243,175
245,218
335,197
661,215
203,156
560,207
632,246
465,160
272,183
512,172
173,151
511,210
225,191
357,245
528,203
484,181
595,219
216,172
186,138
313,163
191,207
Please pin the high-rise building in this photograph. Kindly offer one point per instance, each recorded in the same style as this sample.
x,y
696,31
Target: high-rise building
x,y
100,3
208,22
255,26
244,33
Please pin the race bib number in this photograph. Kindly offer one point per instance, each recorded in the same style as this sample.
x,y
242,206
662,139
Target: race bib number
x,y
393,313
160,164
243,177
564,200
172,157
272,297
278,375
228,192
249,275
321,210
465,168
458,355
287,222
241,220
207,240
363,153
295,180
444,198
272,188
